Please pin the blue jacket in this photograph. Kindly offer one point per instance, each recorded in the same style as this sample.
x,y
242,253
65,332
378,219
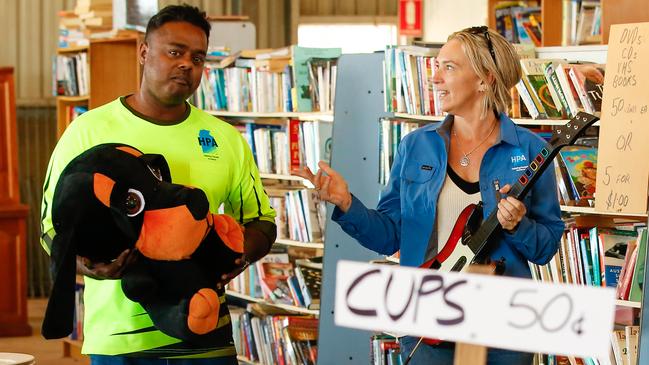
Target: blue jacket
x,y
405,216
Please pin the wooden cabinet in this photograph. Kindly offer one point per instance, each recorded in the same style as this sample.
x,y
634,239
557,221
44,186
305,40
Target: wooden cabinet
x,y
13,215
9,190
620,12
113,70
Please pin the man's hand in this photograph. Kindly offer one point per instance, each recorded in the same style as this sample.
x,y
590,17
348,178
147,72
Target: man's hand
x,y
241,264
101,271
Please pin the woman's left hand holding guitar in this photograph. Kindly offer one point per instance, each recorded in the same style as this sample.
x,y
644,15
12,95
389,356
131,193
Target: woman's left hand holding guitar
x,y
510,210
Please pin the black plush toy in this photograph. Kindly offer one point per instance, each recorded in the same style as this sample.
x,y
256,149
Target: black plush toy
x,y
113,197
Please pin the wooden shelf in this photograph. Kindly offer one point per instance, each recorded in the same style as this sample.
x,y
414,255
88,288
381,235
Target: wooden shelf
x,y
519,121
430,118
323,117
290,308
286,242
73,49
72,348
281,177
589,210
626,303
528,121
73,99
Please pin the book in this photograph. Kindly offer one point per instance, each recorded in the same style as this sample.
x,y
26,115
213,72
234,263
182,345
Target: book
x,y
581,164
618,342
301,56
309,275
612,247
533,70
631,333
635,292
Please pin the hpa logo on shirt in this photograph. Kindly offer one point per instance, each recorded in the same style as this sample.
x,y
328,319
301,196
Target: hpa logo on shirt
x,y
518,160
208,143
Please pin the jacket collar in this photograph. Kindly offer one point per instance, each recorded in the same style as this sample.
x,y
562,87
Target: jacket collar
x,y
508,132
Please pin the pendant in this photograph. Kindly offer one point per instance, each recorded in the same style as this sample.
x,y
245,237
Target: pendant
x,y
464,161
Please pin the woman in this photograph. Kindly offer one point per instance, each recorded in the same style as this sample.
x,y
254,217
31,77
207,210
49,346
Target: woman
x,y
475,154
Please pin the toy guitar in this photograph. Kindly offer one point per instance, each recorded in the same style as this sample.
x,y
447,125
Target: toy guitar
x,y
469,240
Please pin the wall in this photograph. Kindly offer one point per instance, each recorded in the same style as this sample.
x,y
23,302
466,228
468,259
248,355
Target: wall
x,y
443,17
29,29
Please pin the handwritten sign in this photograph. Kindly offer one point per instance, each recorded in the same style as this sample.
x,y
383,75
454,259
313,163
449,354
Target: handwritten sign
x,y
622,160
509,313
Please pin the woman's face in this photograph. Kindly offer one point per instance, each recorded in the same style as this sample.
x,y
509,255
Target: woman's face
x,y
456,82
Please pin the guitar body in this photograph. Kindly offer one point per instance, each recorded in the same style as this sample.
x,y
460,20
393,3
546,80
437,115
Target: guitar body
x,y
456,255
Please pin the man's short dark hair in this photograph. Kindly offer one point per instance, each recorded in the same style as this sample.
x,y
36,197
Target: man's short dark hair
x,y
179,13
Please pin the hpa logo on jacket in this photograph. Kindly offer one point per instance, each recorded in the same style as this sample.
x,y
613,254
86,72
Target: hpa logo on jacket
x,y
518,160
208,143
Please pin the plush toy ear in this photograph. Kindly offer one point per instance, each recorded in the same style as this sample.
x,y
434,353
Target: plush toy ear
x,y
59,315
159,163
103,187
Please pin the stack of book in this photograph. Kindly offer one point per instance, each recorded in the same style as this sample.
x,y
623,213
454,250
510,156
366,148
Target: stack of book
x,y
291,79
519,22
280,280
408,78
557,89
71,76
271,338
89,19
277,149
599,251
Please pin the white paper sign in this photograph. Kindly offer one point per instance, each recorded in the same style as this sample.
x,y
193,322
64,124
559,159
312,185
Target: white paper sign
x,y
502,312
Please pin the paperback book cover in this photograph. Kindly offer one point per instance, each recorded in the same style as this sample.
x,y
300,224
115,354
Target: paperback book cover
x,y
581,164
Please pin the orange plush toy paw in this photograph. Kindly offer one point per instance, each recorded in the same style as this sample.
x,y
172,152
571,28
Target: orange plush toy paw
x,y
230,231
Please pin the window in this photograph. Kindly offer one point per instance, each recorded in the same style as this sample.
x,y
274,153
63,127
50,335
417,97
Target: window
x,y
352,38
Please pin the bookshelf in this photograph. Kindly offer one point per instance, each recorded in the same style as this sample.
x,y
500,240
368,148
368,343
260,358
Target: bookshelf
x,y
551,12
519,121
613,12
112,70
360,75
324,116
288,308
274,134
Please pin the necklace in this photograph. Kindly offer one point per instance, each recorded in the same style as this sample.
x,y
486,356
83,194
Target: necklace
x,y
465,161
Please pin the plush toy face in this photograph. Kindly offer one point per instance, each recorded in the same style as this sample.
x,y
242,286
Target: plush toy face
x,y
113,197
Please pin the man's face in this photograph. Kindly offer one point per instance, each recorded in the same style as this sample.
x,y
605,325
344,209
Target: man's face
x,y
173,58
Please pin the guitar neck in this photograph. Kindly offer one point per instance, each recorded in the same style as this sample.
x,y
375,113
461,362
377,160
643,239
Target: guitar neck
x,y
565,135
518,191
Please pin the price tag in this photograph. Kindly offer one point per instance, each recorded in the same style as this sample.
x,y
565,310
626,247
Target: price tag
x,y
502,312
622,164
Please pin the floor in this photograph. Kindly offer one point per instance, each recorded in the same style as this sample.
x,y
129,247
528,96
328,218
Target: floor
x,y
46,352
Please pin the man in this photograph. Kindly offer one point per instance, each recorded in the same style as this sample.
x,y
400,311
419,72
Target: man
x,y
201,151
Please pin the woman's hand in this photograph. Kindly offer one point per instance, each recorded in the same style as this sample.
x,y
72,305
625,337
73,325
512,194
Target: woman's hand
x,y
510,210
101,271
330,185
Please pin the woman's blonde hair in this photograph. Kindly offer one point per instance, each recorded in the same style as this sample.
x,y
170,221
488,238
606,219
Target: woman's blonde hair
x,y
491,54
